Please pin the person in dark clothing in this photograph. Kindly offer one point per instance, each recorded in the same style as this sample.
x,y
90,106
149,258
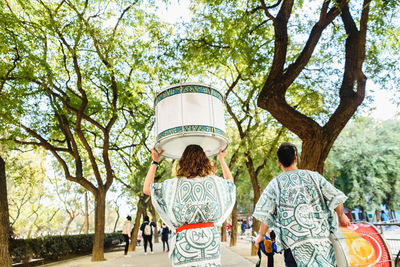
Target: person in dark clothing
x,y
272,250
165,236
242,227
147,233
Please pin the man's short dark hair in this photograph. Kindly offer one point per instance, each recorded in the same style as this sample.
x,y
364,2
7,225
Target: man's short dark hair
x,y
272,235
287,153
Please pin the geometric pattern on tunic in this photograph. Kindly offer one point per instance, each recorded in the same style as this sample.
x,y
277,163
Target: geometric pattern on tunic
x,y
181,201
299,205
196,202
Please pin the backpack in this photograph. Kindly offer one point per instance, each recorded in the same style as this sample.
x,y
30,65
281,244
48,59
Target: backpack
x,y
147,229
268,246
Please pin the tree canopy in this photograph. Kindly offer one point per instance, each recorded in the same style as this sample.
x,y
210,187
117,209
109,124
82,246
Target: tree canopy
x,y
363,164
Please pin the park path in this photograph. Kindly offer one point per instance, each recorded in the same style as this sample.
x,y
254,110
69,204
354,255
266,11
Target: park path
x,y
236,257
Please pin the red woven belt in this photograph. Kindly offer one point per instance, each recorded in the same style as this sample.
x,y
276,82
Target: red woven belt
x,y
194,225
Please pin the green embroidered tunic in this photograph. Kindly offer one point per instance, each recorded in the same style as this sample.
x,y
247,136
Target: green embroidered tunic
x,y
181,201
299,205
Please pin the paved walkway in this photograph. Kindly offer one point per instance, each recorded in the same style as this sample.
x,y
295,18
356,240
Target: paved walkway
x,y
238,256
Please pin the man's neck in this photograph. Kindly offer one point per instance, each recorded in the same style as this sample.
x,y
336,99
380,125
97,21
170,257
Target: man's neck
x,y
290,168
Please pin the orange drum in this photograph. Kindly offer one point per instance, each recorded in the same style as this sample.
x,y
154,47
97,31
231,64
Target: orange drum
x,y
360,245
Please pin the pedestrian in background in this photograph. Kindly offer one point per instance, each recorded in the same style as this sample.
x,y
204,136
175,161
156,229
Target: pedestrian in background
x,y
164,236
147,233
126,232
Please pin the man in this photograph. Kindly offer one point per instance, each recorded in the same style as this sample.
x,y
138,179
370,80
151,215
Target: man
x,y
147,233
301,206
165,236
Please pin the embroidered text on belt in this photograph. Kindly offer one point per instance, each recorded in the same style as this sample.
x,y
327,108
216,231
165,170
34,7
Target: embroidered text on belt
x,y
194,226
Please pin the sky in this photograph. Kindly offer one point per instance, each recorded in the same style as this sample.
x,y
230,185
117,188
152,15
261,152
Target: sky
x,y
382,107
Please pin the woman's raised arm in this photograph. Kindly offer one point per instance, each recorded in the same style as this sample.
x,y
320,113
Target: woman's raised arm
x,y
225,169
152,171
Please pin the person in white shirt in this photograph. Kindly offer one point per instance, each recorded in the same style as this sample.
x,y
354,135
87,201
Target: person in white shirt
x,y
126,232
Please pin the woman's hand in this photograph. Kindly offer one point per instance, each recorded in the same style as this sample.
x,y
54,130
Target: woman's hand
x,y
222,154
225,169
155,155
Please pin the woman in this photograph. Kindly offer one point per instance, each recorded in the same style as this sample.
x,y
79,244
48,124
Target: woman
x,y
126,232
192,205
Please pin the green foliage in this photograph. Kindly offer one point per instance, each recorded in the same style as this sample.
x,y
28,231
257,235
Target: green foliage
x,y
58,54
31,207
239,36
363,163
58,247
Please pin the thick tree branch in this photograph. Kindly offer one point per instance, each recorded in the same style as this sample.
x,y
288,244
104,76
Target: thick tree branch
x,y
229,108
281,39
302,60
266,11
31,143
350,99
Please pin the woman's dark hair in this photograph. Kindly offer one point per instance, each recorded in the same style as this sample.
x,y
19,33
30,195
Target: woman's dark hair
x,y
287,153
129,218
194,162
146,218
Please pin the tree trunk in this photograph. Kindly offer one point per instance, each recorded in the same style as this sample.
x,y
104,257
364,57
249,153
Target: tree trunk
x,y
234,226
389,211
5,259
116,220
86,221
99,224
28,235
254,229
223,232
314,153
378,216
139,212
38,229
256,225
71,218
154,219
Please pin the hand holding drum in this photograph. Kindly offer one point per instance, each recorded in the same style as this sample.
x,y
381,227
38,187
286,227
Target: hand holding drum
x,y
156,156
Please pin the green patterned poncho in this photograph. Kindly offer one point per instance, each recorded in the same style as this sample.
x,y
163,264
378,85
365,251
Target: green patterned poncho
x,y
299,205
181,201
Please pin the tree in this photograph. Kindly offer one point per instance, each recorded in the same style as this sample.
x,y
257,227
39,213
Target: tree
x,y
69,73
317,140
367,173
70,196
31,205
299,49
5,259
